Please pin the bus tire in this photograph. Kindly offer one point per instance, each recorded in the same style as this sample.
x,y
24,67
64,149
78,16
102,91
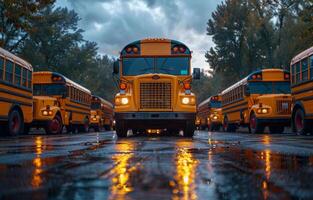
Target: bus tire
x,y
15,123
189,129
254,125
301,126
54,126
121,129
276,129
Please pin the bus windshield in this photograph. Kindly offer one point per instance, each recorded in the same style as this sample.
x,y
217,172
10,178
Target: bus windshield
x,y
49,89
216,104
162,65
271,87
95,105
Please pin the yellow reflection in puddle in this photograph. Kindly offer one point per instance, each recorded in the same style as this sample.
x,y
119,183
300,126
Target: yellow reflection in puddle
x,y
267,159
266,140
121,184
37,163
184,185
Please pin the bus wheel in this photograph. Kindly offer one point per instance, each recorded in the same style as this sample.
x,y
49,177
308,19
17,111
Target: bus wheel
x,y
54,126
15,123
254,125
189,129
276,129
121,129
300,123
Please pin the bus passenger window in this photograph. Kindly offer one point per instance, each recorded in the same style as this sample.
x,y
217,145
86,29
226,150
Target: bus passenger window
x,y
293,74
311,67
29,73
298,72
18,71
24,77
9,71
304,70
1,67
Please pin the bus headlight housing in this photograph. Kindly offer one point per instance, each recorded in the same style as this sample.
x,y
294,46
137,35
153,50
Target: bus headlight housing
x,y
190,100
124,100
263,110
47,113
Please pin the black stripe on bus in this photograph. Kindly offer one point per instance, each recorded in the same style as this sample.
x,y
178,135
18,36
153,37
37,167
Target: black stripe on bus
x,y
234,106
15,102
84,104
302,91
237,110
16,94
3,117
78,107
305,98
15,86
74,111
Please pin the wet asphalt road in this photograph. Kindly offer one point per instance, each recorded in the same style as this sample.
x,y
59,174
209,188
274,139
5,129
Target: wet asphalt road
x,y
209,166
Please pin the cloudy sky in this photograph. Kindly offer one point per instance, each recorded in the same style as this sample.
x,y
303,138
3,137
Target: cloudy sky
x,y
115,23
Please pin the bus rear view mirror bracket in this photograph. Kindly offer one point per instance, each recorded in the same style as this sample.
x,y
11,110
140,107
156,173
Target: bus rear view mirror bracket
x,y
196,73
116,67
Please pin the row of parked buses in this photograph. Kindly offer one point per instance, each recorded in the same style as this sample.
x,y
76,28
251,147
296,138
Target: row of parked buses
x,y
46,100
271,98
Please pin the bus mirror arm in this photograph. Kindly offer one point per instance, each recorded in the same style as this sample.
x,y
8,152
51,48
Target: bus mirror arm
x,y
196,73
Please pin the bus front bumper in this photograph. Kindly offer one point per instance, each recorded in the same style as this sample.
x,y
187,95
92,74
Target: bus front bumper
x,y
275,121
155,116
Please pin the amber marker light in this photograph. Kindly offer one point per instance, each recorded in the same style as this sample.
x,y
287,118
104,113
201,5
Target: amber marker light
x,y
123,86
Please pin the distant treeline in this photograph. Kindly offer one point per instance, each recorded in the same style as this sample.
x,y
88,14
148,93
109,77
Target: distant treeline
x,y
50,39
255,34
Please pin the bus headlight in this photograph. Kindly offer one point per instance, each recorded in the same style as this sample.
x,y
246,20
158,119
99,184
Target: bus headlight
x,y
185,100
215,117
124,100
263,111
47,113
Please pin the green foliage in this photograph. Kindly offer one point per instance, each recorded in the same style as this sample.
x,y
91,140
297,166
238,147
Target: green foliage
x,y
257,34
16,19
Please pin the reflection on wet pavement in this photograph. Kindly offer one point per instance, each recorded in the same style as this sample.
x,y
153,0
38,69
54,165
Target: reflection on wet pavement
x,y
185,177
210,166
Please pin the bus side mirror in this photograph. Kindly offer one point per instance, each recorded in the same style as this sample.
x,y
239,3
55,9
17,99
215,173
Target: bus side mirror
x,y
116,67
196,73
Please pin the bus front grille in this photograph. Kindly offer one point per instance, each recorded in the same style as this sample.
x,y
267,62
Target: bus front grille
x,y
283,107
155,96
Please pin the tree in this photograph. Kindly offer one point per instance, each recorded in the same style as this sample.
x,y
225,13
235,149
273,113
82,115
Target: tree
x,y
15,21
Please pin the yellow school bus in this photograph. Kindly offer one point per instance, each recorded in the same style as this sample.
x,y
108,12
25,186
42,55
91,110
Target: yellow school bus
x,y
301,69
16,93
155,88
101,114
60,102
261,99
210,113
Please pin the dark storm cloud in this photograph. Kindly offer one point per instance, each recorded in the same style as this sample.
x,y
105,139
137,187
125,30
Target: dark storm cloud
x,y
114,23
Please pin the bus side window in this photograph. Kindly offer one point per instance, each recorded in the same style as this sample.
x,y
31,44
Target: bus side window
x,y
304,70
311,67
1,67
18,73
298,72
9,71
24,77
29,78
293,74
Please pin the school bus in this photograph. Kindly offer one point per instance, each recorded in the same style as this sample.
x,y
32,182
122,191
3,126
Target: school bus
x,y
59,102
210,113
16,93
301,69
261,99
101,114
155,87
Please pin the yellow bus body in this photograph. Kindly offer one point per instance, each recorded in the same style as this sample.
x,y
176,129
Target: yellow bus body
x,y
261,107
210,113
101,114
301,69
154,100
15,93
71,106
